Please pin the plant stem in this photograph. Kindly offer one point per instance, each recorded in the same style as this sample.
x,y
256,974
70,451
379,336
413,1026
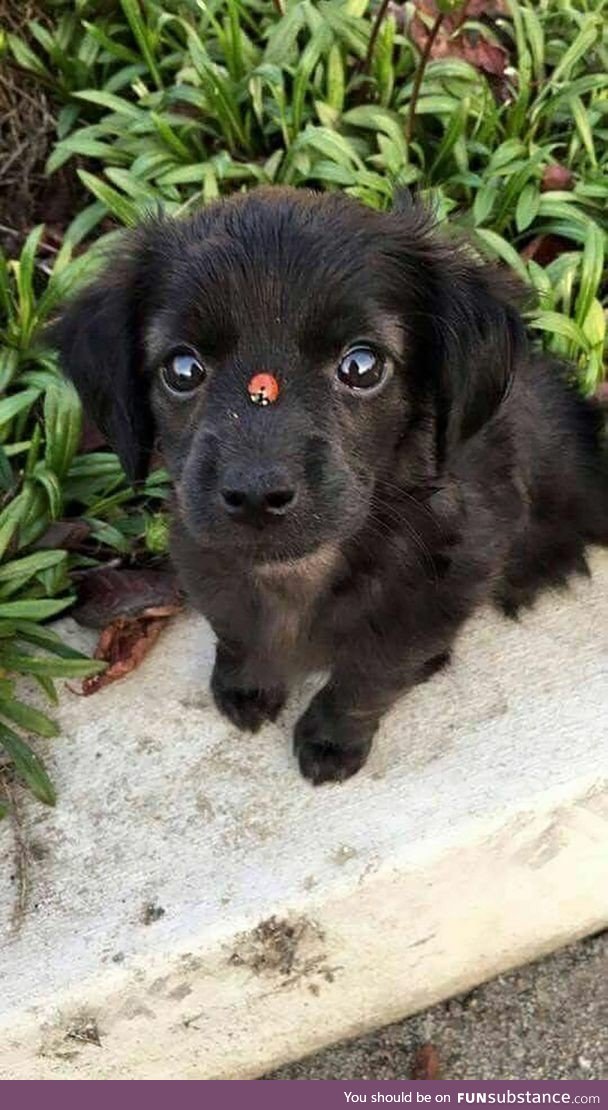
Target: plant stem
x,y
422,64
380,14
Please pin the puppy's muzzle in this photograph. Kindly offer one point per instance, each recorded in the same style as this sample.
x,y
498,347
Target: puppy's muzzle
x,y
257,497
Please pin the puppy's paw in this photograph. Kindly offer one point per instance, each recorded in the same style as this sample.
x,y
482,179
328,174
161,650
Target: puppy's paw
x,y
330,750
247,708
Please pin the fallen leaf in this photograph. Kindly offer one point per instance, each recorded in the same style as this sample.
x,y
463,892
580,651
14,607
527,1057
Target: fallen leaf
x,y
123,645
484,55
426,1063
476,9
454,41
71,535
544,249
108,593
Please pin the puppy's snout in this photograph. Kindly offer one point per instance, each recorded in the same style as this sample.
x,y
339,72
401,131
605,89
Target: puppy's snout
x,y
259,497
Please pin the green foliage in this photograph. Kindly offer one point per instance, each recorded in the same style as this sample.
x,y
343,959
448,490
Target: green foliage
x,y
43,479
171,104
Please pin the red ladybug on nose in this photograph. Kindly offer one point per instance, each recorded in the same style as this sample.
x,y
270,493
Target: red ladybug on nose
x,y
263,389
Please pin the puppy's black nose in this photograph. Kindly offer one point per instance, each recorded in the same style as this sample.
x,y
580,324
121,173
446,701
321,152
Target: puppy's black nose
x,y
259,500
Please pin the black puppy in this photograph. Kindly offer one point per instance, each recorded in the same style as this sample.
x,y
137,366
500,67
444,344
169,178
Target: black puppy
x,y
408,460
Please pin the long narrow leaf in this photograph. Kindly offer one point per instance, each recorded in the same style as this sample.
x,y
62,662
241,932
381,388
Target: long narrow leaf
x,y
28,765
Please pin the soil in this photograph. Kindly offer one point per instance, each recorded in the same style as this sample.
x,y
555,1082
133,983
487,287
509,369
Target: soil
x,y
27,131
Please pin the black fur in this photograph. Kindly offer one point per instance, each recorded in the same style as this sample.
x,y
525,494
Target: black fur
x,y
476,472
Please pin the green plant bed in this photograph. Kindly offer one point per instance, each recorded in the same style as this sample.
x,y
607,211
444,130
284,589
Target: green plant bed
x,y
44,479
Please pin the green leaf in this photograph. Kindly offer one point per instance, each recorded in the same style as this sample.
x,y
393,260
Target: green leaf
x,y
53,668
591,27
527,206
583,126
284,34
25,280
334,146
499,246
594,324
28,765
536,38
47,685
27,59
7,478
143,37
484,202
113,103
27,718
556,324
52,487
14,516
108,534
30,565
39,609
591,271
47,638
336,79
11,406
378,119
506,153
118,205
63,426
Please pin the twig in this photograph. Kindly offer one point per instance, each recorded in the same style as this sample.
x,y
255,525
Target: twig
x,y
380,14
422,64
279,6
43,246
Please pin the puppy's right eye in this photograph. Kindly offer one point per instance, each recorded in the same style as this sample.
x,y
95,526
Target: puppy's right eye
x,y
361,370
182,372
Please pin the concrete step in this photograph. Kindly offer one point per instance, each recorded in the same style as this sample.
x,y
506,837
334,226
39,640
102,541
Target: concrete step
x,y
194,910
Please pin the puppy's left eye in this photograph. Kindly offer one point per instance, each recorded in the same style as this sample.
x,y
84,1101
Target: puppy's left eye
x,y
361,368
182,372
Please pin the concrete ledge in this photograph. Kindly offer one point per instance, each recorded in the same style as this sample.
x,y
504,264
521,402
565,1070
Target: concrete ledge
x,y
197,911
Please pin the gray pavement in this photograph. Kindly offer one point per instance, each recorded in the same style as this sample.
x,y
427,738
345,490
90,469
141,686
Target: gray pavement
x,y
548,1020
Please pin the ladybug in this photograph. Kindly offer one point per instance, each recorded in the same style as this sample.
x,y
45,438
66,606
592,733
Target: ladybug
x,y
263,389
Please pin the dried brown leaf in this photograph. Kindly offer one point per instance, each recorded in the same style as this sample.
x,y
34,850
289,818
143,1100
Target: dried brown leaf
x,y
544,249
453,41
426,1063
106,594
71,535
123,645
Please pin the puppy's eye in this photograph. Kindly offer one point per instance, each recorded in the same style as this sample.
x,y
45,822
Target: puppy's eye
x,y
361,368
182,372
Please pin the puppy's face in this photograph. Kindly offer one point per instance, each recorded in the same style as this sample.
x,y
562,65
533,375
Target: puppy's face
x,y
350,311
279,479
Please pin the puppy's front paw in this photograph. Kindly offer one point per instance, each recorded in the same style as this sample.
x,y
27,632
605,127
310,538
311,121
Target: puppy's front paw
x,y
247,708
330,748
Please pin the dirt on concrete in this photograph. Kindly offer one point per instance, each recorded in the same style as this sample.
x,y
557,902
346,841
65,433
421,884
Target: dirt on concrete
x,y
548,1020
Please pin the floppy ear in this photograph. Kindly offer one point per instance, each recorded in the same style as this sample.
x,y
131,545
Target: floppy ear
x,y
98,338
477,340
470,335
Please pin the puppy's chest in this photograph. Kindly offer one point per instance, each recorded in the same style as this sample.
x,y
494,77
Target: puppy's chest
x,y
293,607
